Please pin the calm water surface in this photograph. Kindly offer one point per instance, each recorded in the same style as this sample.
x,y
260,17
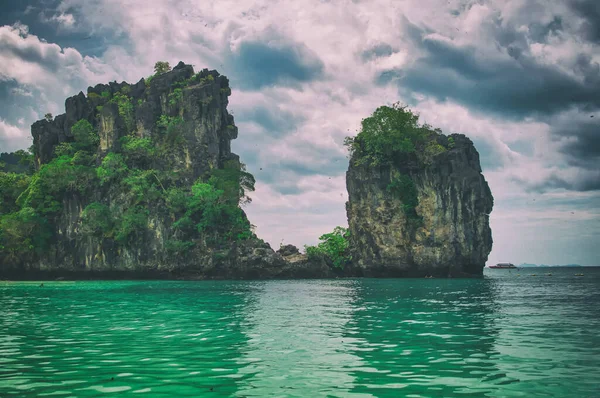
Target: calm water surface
x,y
510,334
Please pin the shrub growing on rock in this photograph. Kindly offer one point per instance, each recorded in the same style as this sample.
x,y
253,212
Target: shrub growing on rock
x,y
333,247
161,67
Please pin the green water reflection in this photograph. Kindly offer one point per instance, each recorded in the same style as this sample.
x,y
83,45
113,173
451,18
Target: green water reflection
x,y
504,335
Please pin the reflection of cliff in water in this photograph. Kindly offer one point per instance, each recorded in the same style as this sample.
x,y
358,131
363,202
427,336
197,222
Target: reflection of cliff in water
x,y
92,338
548,334
433,337
206,356
295,339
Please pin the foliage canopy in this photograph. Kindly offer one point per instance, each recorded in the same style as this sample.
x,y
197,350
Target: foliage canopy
x,y
333,247
392,136
161,67
389,135
123,188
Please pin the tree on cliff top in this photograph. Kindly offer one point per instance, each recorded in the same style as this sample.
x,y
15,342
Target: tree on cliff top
x,y
333,247
161,67
389,134
392,136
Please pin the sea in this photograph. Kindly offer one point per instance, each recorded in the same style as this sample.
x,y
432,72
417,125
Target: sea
x,y
513,333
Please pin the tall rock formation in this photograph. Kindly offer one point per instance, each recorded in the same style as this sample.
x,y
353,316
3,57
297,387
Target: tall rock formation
x,y
129,204
420,215
139,180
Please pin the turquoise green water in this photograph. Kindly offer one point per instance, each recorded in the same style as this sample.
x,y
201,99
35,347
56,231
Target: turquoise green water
x,y
510,334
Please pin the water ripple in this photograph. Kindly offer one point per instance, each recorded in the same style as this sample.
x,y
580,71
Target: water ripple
x,y
500,336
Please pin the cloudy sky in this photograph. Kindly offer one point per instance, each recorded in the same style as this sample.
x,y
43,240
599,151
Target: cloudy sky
x,y
521,78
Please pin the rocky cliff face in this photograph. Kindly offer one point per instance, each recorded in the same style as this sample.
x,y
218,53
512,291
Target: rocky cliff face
x,y
448,236
184,117
202,103
138,180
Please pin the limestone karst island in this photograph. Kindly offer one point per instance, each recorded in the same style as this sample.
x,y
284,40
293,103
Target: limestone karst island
x,y
139,181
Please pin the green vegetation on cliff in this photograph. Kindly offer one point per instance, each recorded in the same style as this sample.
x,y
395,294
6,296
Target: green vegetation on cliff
x,y
125,109
161,67
136,178
392,136
20,161
417,202
333,248
403,187
127,186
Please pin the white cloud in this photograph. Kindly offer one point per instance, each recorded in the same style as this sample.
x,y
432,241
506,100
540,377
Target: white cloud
x,y
30,61
299,218
63,21
45,74
21,91
13,137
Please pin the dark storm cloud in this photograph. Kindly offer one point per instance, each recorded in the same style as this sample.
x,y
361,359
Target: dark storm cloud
x,y
590,70
283,175
33,53
489,156
275,121
36,15
582,147
278,178
257,65
589,10
583,183
28,13
523,147
13,103
515,86
387,77
286,188
540,32
276,124
380,50
571,202
332,167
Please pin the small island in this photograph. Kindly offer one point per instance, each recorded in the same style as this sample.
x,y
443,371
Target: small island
x,y
139,181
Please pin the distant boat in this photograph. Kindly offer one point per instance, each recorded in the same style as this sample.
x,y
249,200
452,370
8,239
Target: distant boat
x,y
503,265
